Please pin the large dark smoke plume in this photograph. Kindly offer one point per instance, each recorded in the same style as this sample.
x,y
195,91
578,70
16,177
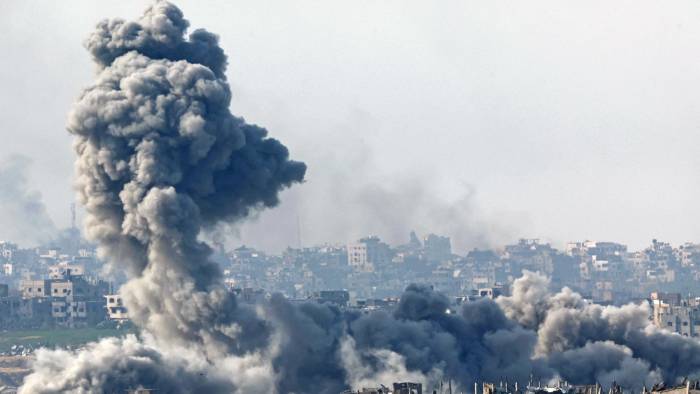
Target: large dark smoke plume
x,y
161,158
23,215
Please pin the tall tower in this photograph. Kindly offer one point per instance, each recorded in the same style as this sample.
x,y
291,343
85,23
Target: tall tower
x,y
73,225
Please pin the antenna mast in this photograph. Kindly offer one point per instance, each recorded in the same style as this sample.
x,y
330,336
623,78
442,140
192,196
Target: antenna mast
x,y
72,217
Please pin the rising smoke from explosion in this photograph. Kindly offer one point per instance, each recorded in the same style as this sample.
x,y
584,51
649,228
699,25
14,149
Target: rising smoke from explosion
x,y
387,205
609,341
23,213
160,158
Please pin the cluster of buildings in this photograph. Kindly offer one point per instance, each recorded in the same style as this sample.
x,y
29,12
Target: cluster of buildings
x,y
609,272
67,298
605,272
672,312
62,286
50,287
686,387
396,388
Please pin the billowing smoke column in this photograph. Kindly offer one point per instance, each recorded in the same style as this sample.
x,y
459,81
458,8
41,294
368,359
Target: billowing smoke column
x,y
586,342
160,157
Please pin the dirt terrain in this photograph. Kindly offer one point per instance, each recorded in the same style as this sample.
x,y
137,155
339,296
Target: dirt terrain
x,y
13,369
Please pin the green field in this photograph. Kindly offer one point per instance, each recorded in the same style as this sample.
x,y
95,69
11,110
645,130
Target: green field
x,y
58,337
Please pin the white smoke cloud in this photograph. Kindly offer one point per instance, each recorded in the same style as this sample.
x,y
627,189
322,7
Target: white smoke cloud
x,y
388,366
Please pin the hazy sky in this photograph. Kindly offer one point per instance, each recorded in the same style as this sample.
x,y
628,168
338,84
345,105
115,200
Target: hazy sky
x,y
487,120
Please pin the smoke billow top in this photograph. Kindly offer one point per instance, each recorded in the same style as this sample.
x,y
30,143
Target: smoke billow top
x,y
161,158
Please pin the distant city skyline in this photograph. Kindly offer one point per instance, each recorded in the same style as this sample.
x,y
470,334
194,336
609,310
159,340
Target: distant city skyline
x,y
580,125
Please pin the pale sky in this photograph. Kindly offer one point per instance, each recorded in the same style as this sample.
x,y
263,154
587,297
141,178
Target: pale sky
x,y
487,120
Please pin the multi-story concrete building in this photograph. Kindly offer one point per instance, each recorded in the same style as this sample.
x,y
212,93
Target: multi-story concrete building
x,y
72,300
35,288
368,253
408,388
600,265
339,298
488,292
670,312
115,307
65,270
437,248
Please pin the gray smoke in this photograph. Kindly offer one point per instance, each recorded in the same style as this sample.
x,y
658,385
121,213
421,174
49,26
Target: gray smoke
x,y
23,216
605,362
117,365
161,158
559,336
610,341
325,349
389,205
